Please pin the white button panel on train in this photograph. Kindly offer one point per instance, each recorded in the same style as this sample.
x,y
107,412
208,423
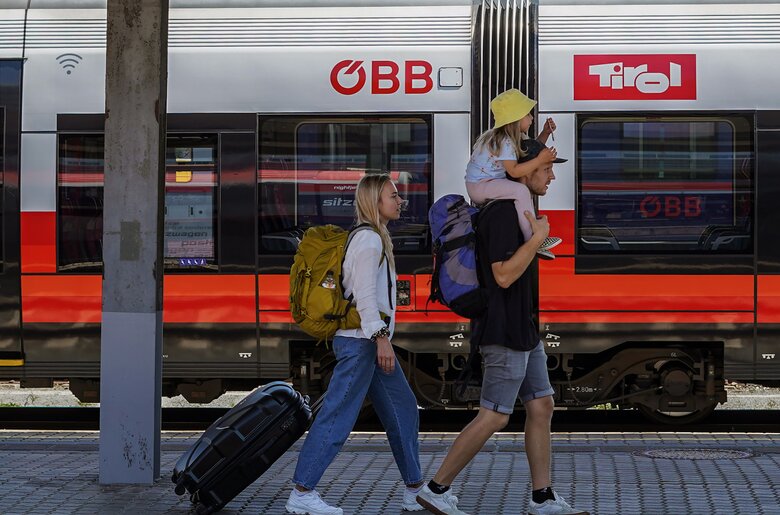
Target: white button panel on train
x,y
450,77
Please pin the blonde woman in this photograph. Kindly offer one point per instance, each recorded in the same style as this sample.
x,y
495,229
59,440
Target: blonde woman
x,y
493,169
366,363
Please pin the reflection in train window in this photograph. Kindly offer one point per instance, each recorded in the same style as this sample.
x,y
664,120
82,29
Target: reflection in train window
x,y
190,201
665,184
2,179
80,202
308,169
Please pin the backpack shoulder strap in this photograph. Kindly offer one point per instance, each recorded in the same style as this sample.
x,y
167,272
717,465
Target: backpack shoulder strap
x,y
354,230
362,227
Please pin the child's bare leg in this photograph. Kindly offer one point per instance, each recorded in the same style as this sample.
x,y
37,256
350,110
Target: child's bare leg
x,y
523,203
505,189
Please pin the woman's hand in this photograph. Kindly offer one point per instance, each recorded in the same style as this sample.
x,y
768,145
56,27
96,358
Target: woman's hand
x,y
385,356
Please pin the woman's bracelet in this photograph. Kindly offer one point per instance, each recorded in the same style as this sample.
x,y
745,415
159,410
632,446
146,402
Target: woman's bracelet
x,y
384,332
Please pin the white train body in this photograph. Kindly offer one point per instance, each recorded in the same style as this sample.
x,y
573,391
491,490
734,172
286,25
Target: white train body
x,y
668,113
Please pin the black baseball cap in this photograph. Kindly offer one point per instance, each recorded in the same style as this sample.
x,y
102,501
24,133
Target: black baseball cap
x,y
532,148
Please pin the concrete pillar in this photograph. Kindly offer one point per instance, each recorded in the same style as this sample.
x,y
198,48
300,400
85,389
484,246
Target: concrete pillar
x,y
134,196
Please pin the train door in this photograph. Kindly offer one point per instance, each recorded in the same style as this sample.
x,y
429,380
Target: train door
x,y
767,353
308,170
210,305
11,351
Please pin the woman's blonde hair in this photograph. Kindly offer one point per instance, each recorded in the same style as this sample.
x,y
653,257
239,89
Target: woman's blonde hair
x,y
492,139
367,195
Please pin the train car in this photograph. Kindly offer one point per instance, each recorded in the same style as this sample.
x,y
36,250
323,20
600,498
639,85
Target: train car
x,y
276,109
662,290
667,281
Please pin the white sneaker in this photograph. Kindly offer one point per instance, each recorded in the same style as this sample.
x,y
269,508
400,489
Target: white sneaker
x,y
410,499
439,504
310,503
553,507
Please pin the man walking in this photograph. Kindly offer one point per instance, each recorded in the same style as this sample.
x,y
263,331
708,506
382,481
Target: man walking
x,y
515,364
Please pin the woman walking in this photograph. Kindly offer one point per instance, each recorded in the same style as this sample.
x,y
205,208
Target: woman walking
x,y
366,363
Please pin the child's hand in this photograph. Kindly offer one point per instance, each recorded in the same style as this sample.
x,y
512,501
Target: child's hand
x,y
548,155
549,126
540,226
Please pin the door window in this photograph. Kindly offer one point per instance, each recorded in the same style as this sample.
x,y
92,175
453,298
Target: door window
x,y
650,185
80,202
2,179
190,202
309,167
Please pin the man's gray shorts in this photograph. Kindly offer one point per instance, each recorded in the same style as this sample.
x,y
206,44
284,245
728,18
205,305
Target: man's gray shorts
x,y
510,374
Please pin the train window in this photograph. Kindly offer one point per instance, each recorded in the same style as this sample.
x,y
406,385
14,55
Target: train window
x,y
190,201
654,185
80,202
309,167
2,179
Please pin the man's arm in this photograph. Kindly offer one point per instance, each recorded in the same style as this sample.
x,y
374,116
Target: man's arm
x,y
509,271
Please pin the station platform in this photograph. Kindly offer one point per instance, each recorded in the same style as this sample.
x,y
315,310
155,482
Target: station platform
x,y
56,472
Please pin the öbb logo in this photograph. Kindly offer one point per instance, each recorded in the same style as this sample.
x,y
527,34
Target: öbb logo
x,y
670,206
349,77
635,77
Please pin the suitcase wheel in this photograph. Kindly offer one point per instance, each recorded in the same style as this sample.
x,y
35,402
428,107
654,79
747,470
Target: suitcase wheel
x,y
179,490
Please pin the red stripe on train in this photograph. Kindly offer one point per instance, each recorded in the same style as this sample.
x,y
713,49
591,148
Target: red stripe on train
x,y
38,241
560,289
209,299
768,299
187,299
562,226
275,293
61,298
650,317
402,317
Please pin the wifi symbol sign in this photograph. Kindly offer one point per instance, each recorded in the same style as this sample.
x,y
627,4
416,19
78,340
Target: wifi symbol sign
x,y
69,61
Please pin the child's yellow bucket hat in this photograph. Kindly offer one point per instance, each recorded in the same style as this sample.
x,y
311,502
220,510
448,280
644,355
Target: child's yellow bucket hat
x,y
510,106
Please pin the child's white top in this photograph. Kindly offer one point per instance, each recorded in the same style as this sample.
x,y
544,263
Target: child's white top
x,y
484,165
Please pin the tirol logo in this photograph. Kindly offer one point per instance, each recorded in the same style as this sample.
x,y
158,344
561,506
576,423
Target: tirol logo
x,y
348,77
635,77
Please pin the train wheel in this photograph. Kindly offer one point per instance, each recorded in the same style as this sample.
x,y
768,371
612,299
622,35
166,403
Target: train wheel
x,y
677,418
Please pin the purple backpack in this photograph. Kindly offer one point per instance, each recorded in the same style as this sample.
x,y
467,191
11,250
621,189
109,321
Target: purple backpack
x,y
455,282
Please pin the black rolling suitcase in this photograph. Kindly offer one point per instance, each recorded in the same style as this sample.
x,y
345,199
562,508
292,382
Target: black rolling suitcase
x,y
239,447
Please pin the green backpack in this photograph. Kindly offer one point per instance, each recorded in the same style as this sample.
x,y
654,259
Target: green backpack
x,y
317,300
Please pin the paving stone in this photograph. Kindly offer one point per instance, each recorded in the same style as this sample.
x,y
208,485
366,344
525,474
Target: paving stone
x,y
57,472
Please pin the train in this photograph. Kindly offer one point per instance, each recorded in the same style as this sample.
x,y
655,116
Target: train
x,y
666,285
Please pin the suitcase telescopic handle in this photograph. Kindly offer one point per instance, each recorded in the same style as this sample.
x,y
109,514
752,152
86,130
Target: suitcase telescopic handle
x,y
316,405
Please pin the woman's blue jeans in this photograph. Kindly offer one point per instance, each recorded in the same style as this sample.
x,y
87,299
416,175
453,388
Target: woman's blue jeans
x,y
357,374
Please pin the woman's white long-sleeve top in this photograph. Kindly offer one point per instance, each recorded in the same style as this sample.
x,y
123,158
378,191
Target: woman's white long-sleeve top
x,y
364,278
